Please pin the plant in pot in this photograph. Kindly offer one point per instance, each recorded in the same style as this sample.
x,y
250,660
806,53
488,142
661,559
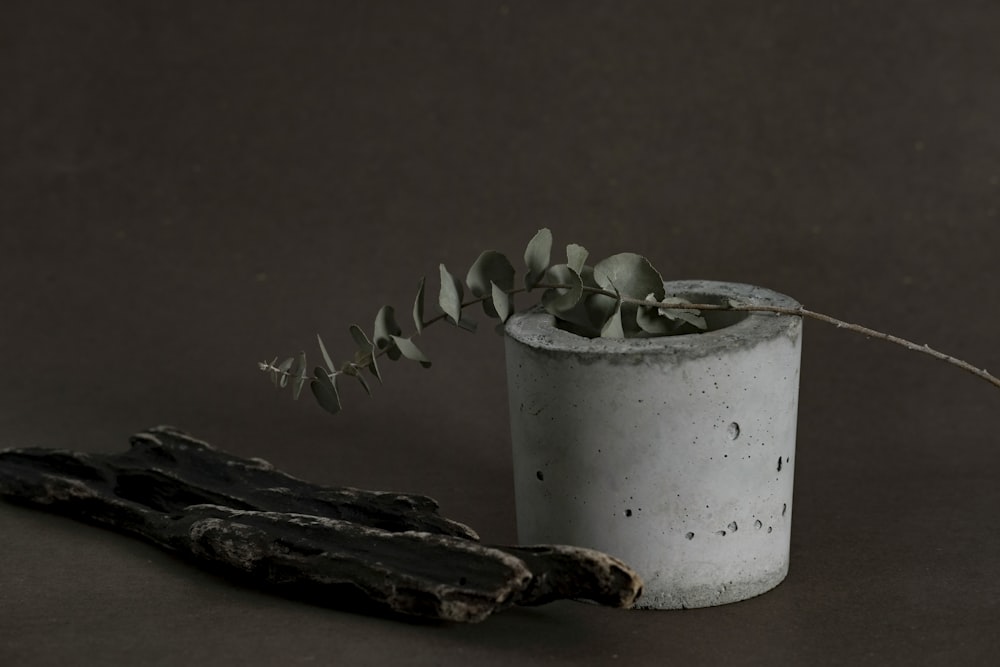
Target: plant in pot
x,y
653,420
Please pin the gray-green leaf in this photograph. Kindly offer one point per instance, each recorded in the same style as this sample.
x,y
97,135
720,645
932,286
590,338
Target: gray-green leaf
x,y
326,355
385,329
629,274
561,299
501,302
576,257
411,351
360,339
689,315
418,308
283,371
651,321
450,295
537,256
364,383
614,327
490,268
324,388
299,375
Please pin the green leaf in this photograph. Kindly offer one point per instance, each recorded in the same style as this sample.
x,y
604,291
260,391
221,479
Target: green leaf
x,y
450,295
272,370
630,275
418,308
467,323
326,355
561,299
299,375
360,339
365,356
324,388
537,256
364,383
300,364
576,257
411,351
614,327
651,321
283,371
491,268
689,315
297,385
501,302
385,329
374,369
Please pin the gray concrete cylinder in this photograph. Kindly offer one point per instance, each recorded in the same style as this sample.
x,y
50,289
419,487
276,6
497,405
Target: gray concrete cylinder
x,y
673,453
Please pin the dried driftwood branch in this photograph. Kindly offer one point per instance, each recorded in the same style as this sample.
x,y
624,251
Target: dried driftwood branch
x,y
349,548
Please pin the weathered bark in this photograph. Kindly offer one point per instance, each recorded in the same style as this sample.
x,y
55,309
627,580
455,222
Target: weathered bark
x,y
345,547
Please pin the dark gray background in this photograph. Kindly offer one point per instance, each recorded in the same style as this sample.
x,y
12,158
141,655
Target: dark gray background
x,y
187,188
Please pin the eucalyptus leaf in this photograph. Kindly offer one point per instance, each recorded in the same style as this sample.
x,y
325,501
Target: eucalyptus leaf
x,y
326,355
501,302
651,321
283,371
385,329
450,295
364,383
365,355
629,274
324,388
272,369
537,256
614,327
418,308
491,268
690,315
410,350
297,384
561,299
299,367
374,369
468,324
298,375
576,256
360,339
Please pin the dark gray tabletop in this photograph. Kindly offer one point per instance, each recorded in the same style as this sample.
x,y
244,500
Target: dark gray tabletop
x,y
187,189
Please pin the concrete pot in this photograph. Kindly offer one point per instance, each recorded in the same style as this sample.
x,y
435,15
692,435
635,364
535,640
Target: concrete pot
x,y
673,453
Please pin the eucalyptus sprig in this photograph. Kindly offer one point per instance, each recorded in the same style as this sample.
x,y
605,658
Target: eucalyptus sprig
x,y
621,296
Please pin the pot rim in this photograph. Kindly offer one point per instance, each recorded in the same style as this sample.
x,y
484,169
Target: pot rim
x,y
535,328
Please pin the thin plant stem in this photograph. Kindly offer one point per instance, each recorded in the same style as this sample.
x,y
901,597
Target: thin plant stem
x,y
749,308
